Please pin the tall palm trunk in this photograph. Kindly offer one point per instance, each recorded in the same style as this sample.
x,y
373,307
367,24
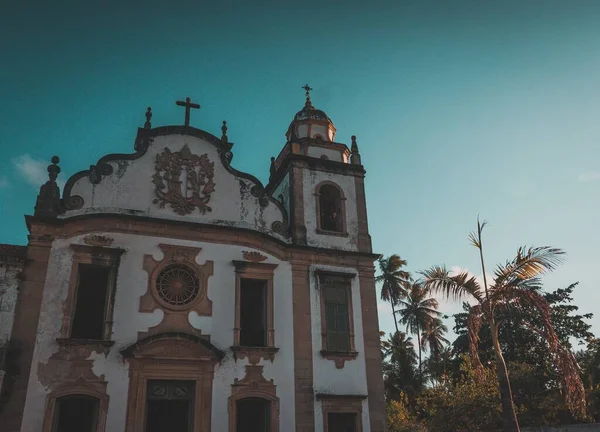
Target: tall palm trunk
x,y
509,415
508,408
394,315
419,342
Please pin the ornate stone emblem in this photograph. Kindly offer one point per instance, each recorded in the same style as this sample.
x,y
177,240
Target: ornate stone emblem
x,y
183,180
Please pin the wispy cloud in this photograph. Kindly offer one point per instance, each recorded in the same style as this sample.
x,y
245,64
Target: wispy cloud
x,y
4,183
589,176
33,171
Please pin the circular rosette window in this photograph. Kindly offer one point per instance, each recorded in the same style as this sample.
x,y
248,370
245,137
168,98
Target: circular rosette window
x,y
177,285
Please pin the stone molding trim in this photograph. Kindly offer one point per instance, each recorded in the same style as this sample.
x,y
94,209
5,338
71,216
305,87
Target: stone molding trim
x,y
338,357
317,194
145,137
77,390
176,316
260,271
98,256
350,404
253,256
171,356
254,385
172,229
98,240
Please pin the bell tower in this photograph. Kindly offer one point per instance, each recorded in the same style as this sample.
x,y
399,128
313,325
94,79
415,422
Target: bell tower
x,y
320,182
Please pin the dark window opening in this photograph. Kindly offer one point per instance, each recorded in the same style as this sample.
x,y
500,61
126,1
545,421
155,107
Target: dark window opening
x,y
341,422
90,303
253,313
337,315
330,206
169,406
253,415
75,414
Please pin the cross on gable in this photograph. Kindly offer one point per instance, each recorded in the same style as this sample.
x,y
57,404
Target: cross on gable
x,y
188,105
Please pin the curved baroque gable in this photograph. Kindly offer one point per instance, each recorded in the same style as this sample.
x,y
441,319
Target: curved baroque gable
x,y
179,173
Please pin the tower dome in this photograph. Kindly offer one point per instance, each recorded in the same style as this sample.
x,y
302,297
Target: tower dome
x,y
310,122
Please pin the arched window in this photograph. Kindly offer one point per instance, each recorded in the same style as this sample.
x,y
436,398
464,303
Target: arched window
x,y
253,414
330,208
75,413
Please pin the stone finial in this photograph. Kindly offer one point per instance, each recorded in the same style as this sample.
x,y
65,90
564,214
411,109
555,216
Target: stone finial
x,y
355,156
48,200
272,169
224,137
148,125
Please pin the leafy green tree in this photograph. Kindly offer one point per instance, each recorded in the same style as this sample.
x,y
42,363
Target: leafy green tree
x,y
515,289
394,281
417,312
470,404
399,416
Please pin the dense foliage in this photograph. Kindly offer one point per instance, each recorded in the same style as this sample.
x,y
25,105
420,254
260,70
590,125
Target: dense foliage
x,y
434,385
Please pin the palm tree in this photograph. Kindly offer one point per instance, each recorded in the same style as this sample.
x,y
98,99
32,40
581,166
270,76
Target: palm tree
x,y
400,360
433,338
438,369
395,281
514,288
419,310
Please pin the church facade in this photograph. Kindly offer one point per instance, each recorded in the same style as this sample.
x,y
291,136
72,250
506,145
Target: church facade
x,y
167,291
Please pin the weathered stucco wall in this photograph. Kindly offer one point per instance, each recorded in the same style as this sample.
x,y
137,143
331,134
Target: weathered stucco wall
x,y
130,190
282,193
10,268
128,321
346,183
351,379
317,152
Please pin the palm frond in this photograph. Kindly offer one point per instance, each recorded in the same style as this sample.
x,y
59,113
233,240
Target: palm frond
x,y
528,264
438,280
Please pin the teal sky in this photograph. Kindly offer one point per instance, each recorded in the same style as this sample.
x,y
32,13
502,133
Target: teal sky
x,y
460,108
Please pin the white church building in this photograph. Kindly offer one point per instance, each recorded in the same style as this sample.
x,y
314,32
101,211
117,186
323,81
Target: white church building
x,y
165,291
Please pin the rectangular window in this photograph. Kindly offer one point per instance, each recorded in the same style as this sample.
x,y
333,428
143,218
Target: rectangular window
x,y
336,302
89,317
253,415
341,422
253,312
75,414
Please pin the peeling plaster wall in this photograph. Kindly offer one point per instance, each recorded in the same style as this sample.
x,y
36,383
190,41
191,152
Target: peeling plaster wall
x,y
9,290
132,282
346,183
129,190
352,378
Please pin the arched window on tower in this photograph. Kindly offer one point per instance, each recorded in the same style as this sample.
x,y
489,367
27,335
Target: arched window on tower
x,y
330,207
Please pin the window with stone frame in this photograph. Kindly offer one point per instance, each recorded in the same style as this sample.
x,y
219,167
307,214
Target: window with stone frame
x,y
331,216
341,413
254,332
337,323
76,413
89,304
